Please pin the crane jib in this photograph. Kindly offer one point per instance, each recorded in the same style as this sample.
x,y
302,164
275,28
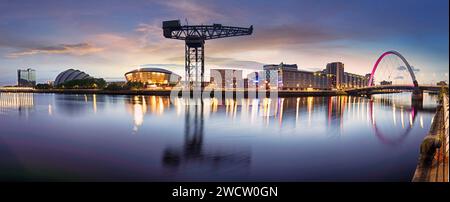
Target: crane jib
x,y
194,37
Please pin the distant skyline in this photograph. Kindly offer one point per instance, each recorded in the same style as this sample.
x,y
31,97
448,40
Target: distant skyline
x,y
106,38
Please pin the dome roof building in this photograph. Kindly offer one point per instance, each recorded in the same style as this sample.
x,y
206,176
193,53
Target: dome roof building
x,y
153,76
70,75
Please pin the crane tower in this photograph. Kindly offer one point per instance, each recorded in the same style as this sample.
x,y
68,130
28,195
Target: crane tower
x,y
195,37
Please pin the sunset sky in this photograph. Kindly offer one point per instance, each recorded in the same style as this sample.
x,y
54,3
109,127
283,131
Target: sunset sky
x,y
106,38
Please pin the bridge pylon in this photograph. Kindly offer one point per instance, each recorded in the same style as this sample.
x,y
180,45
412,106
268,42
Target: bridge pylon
x,y
417,98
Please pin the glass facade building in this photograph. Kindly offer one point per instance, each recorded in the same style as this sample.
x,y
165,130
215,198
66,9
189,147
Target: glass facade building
x,y
26,77
153,77
336,70
288,77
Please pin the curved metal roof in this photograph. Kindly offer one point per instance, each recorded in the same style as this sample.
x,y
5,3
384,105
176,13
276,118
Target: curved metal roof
x,y
69,75
150,70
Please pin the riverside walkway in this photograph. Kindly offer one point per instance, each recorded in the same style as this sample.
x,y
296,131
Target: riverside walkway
x,y
433,159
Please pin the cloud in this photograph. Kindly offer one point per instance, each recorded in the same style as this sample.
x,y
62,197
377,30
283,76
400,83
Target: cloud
x,y
224,63
70,49
305,37
197,12
150,34
403,68
235,63
399,77
162,65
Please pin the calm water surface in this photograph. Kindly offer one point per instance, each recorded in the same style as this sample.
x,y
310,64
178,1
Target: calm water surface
x,y
149,138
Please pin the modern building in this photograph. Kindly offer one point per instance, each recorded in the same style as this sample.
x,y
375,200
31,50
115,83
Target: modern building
x,y
368,78
229,78
354,81
341,79
283,66
288,77
26,77
336,70
70,75
385,83
153,77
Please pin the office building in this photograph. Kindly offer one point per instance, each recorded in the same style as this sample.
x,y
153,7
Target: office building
x,y
26,77
354,81
368,78
336,70
229,78
288,77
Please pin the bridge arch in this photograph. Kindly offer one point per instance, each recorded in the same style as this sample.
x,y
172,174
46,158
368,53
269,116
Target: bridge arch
x,y
382,137
411,72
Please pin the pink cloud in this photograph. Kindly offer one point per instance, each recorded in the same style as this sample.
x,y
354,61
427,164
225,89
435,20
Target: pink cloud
x,y
70,49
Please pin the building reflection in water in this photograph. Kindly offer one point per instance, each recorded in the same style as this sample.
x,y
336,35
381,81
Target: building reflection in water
x,y
140,105
76,104
194,151
22,102
337,108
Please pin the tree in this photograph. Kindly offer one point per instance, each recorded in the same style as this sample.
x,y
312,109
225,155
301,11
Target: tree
x,y
43,86
114,86
89,83
134,85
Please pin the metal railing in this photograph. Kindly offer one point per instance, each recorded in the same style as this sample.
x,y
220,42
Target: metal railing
x,y
445,105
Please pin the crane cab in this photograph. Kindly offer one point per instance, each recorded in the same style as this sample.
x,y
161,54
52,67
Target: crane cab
x,y
169,26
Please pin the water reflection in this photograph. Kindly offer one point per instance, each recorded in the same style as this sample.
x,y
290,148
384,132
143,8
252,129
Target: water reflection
x,y
381,135
249,139
141,105
337,108
76,104
193,151
22,102
254,111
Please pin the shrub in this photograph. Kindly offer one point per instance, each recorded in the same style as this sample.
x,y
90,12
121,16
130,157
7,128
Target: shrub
x,y
43,86
114,86
89,83
133,85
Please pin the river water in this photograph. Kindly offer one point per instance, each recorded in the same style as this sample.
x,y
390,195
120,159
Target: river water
x,y
68,137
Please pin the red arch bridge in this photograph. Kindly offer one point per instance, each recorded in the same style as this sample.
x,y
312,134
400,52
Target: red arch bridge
x,y
413,87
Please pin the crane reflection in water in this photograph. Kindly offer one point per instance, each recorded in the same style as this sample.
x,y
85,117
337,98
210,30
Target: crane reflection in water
x,y
215,140
269,112
338,109
194,152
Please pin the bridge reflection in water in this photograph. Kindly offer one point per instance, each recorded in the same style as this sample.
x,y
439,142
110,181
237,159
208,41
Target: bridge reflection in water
x,y
266,111
214,139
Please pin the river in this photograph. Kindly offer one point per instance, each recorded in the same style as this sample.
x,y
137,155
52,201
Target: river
x,y
68,137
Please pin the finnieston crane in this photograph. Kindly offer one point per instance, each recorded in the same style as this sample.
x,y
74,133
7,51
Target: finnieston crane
x,y
195,37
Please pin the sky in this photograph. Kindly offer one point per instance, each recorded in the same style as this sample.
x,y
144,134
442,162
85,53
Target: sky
x,y
106,38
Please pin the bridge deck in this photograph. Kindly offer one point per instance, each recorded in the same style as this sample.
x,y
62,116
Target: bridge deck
x,y
394,87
